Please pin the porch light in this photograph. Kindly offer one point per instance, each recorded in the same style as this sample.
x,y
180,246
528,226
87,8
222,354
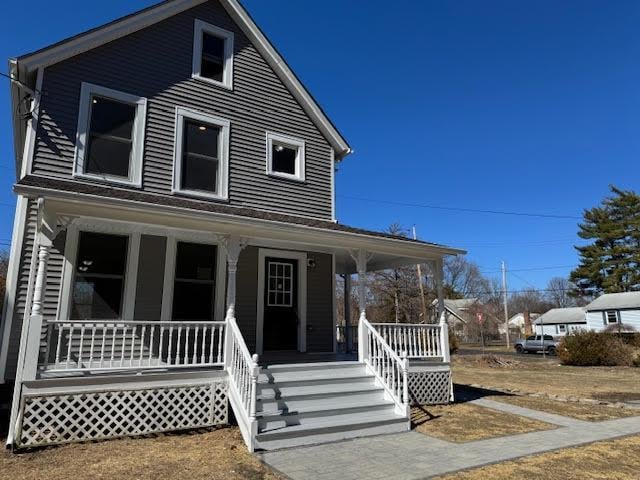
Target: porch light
x,y
202,128
279,148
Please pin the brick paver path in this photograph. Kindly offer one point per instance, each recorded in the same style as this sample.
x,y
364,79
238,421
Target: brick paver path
x,y
412,455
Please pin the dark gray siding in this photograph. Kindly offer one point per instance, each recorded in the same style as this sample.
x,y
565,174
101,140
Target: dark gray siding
x,y
156,63
23,296
247,295
150,281
320,304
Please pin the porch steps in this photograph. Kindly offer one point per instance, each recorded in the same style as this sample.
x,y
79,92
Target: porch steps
x,y
313,403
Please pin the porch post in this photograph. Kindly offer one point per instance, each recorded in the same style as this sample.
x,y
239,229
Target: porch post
x,y
233,246
348,333
361,267
438,275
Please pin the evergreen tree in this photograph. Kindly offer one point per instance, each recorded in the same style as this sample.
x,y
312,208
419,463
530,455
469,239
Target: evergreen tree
x,y
611,262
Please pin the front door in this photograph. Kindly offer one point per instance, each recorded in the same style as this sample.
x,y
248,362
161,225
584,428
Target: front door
x,y
280,330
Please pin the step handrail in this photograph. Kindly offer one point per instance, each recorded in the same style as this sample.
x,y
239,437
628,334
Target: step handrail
x,y
243,372
387,366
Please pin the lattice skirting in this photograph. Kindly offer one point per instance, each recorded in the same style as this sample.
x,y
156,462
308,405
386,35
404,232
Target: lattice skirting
x,y
74,417
430,387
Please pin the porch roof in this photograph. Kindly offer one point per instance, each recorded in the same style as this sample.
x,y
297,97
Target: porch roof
x,y
72,198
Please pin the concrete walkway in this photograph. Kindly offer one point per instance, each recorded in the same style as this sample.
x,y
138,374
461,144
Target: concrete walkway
x,y
412,455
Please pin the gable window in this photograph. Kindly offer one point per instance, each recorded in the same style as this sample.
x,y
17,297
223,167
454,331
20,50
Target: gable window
x,y
285,156
110,136
99,279
201,154
194,284
611,316
212,54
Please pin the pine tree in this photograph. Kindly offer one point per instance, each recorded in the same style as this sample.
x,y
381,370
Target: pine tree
x,y
611,262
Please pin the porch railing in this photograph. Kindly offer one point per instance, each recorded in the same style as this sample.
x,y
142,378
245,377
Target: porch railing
x,y
420,341
101,345
389,368
243,379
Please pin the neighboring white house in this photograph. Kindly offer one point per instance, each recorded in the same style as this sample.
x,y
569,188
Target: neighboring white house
x,y
560,321
614,308
458,312
517,322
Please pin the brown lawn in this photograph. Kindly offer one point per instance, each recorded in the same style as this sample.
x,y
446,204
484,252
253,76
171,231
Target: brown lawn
x,y
602,383
466,422
614,459
213,455
581,411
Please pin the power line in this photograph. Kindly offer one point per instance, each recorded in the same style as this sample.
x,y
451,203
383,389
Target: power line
x,y
461,209
533,269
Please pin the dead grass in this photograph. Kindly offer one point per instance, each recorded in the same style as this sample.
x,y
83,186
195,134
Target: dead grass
x,y
602,383
465,422
213,455
581,411
613,459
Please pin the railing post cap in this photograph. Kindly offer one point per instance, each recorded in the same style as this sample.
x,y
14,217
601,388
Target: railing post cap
x,y
255,357
404,354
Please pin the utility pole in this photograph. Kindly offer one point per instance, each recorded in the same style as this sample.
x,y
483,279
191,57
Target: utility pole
x,y
422,299
504,300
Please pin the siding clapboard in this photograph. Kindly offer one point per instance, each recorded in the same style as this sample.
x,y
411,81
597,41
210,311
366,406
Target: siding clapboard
x,y
156,63
629,317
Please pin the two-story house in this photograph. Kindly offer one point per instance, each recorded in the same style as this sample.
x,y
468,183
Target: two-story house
x,y
175,245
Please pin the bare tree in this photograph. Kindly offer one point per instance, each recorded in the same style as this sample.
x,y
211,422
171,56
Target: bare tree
x,y
561,293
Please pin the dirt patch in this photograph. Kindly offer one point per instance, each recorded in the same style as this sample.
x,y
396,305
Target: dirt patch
x,y
580,411
492,360
614,459
213,455
465,422
618,396
549,377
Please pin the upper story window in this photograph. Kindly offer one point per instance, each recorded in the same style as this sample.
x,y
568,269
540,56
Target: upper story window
x,y
201,154
285,156
110,136
213,54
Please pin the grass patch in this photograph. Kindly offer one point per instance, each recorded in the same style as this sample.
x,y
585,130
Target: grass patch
x,y
213,455
602,383
580,411
466,422
612,459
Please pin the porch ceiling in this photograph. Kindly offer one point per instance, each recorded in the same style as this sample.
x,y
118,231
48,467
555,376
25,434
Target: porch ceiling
x,y
257,228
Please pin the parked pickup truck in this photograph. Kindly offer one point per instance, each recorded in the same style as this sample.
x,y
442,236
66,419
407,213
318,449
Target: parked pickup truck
x,y
537,343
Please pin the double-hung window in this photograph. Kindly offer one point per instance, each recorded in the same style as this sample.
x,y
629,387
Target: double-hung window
x,y
212,54
110,136
201,154
285,156
611,316
99,277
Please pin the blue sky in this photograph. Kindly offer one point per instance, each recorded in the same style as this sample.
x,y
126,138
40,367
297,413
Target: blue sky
x,y
528,106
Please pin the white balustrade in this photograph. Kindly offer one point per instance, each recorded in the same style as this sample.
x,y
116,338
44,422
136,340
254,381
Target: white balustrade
x,y
389,367
102,345
420,341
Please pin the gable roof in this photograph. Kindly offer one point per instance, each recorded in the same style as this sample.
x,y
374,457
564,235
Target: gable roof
x,y
562,315
28,63
615,301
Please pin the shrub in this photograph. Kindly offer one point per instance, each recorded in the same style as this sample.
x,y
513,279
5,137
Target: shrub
x,y
585,348
453,341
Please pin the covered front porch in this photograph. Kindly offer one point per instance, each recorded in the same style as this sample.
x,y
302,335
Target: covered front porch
x,y
168,296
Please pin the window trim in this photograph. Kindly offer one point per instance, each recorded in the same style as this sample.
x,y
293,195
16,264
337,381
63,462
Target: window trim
x,y
199,28
300,158
84,124
606,317
223,148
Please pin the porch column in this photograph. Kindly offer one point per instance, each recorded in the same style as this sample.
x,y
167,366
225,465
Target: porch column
x,y
438,275
361,267
233,246
348,333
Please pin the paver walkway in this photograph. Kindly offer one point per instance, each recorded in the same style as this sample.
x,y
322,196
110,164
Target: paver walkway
x,y
412,455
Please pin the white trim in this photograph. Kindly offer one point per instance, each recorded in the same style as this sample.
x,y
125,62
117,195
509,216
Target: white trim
x,y
32,127
606,317
333,186
84,123
286,141
170,272
223,149
199,28
13,273
70,260
301,257
135,22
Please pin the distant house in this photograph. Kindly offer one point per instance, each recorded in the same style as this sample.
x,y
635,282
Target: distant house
x,y
458,313
560,321
614,309
518,322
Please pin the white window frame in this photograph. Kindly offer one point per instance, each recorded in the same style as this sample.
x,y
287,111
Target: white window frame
x,y
286,266
199,28
87,91
606,317
223,149
562,328
287,141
